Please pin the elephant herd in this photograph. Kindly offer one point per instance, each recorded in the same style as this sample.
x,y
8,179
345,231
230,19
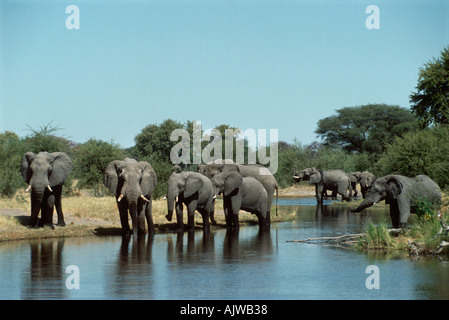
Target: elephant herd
x,y
244,187
403,194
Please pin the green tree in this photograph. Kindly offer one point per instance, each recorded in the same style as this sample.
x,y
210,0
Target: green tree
x,y
12,148
430,101
45,139
91,159
154,143
366,128
420,152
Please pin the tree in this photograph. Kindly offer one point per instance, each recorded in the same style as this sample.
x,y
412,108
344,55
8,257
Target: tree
x,y
430,102
11,151
44,139
420,152
153,142
92,158
366,128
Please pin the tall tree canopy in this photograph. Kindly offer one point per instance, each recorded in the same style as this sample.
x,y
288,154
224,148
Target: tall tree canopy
x,y
366,128
430,102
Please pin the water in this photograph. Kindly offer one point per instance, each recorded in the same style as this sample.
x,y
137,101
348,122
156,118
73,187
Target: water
x,y
220,266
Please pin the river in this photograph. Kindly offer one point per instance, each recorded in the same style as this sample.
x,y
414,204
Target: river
x,y
222,266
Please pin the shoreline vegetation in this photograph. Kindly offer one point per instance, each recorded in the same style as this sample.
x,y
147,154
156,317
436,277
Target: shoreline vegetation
x,y
87,215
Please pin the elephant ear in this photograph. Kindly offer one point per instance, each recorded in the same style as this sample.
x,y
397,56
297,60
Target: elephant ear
x,y
315,177
25,166
149,178
193,184
394,188
110,178
61,167
233,181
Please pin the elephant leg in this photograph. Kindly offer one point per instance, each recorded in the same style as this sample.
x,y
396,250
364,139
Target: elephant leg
x,y
319,190
35,208
191,220
227,212
50,203
179,217
394,214
403,213
235,208
149,217
141,219
58,193
123,211
342,190
205,215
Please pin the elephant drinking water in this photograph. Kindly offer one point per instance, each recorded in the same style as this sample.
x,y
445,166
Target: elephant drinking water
x,y
402,194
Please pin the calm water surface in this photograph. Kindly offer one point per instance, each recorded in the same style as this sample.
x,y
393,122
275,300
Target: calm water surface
x,y
220,265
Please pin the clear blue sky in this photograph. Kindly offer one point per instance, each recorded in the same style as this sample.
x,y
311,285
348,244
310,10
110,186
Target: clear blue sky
x,y
261,64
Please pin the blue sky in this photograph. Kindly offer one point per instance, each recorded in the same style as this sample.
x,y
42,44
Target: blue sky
x,y
265,64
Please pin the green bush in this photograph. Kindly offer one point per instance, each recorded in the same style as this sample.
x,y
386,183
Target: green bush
x,y
421,152
90,161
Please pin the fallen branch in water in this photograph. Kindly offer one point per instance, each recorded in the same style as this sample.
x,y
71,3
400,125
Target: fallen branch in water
x,y
346,239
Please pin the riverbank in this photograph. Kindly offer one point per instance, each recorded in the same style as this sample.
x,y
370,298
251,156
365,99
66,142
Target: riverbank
x,y
86,215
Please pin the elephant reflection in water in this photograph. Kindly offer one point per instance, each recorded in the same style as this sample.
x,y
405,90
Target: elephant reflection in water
x,y
46,269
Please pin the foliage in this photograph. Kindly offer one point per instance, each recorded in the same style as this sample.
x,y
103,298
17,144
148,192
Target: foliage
x,y
430,102
11,151
366,128
421,152
44,139
91,159
377,237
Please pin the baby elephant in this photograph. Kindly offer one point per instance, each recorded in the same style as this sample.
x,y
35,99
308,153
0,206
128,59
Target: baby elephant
x,y
244,193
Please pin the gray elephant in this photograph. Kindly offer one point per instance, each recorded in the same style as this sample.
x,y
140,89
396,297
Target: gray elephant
x,y
402,194
241,193
132,183
258,172
45,173
366,181
196,192
335,180
354,177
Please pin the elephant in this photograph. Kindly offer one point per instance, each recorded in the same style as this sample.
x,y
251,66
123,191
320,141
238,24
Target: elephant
x,y
195,191
366,181
45,173
256,171
334,180
354,177
241,193
132,182
402,194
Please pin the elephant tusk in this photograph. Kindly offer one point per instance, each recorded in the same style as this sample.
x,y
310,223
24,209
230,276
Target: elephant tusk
x,y
120,197
176,199
28,189
49,188
164,198
143,198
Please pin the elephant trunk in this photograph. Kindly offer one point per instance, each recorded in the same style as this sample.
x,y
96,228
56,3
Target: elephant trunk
x,y
171,200
367,202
